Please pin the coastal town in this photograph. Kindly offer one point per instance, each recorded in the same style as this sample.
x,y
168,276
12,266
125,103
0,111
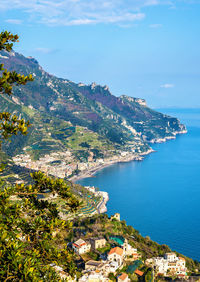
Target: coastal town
x,y
114,258
64,165
103,258
117,259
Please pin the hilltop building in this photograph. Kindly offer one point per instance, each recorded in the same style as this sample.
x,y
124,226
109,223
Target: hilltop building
x,y
115,216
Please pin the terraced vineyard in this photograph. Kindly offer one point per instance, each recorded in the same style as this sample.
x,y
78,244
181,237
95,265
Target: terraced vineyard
x,y
13,174
82,118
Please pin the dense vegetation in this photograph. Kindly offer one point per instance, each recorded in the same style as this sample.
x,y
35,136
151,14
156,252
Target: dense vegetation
x,y
27,222
66,115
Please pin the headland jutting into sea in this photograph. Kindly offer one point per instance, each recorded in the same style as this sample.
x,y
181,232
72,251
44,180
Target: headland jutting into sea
x,y
90,172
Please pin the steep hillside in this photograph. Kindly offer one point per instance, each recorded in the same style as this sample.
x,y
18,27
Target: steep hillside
x,y
86,120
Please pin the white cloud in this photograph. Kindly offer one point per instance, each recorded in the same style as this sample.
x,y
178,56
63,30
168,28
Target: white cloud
x,y
84,12
14,21
167,85
80,12
128,17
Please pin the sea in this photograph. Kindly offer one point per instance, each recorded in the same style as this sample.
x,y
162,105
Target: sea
x,y
160,196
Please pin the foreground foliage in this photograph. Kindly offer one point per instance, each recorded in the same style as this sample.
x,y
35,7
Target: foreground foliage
x,y
27,226
28,222
10,124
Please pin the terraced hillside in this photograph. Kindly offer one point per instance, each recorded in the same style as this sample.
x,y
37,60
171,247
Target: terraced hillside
x,y
59,108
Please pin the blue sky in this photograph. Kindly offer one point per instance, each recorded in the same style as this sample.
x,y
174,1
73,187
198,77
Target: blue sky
x,y
142,48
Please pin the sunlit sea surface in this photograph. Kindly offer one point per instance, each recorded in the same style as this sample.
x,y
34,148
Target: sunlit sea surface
x,y
160,196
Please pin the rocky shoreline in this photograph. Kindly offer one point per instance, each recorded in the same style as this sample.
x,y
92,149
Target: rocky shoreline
x,y
162,140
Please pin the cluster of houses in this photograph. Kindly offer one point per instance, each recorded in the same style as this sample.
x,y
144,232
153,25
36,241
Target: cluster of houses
x,y
53,164
99,270
170,264
112,262
59,164
64,164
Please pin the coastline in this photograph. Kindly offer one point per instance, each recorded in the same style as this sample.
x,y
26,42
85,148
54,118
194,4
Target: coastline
x,y
128,158
162,140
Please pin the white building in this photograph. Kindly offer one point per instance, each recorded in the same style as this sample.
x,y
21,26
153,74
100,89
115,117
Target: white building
x,y
170,264
110,267
170,257
116,255
81,247
161,265
128,249
93,277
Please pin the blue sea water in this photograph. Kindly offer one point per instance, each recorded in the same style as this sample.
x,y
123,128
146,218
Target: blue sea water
x,y
160,196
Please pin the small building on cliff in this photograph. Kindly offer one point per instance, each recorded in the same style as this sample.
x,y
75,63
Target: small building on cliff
x,y
115,216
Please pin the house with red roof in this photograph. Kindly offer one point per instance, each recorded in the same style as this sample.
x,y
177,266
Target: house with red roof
x,y
139,272
81,247
123,278
116,254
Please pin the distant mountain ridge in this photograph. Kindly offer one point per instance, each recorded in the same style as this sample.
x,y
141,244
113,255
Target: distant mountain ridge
x,y
58,107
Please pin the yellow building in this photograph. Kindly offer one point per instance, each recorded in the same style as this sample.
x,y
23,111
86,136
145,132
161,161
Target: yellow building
x,y
97,243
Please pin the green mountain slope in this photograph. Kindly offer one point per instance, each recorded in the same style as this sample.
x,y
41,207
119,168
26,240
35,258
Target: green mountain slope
x,y
86,120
